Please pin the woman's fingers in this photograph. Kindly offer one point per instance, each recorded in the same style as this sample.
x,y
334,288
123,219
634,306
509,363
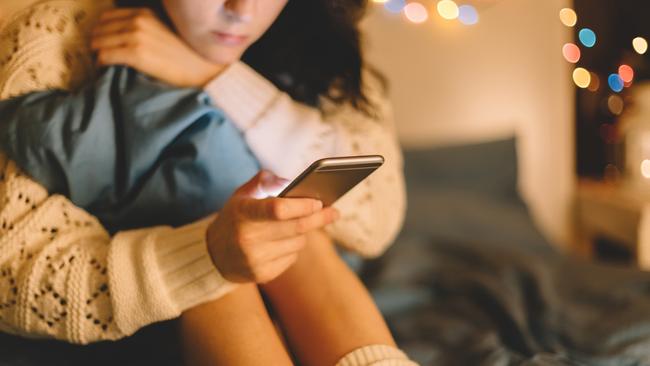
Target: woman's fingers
x,y
114,27
124,13
271,209
110,41
300,226
117,56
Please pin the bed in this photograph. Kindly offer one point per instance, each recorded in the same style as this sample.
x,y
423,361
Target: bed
x,y
471,280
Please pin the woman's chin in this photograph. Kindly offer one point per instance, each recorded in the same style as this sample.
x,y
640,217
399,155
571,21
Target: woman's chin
x,y
224,55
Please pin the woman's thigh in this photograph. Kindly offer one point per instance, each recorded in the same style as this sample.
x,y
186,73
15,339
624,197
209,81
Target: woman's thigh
x,y
235,329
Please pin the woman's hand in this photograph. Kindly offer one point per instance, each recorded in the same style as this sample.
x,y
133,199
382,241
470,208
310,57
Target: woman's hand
x,y
137,38
255,240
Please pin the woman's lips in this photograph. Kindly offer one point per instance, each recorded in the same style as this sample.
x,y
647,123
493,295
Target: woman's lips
x,y
229,39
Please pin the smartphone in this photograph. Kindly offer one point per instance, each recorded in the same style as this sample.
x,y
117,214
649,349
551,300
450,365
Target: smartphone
x,y
329,179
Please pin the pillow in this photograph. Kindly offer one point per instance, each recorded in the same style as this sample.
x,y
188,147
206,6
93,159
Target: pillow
x,y
468,193
489,167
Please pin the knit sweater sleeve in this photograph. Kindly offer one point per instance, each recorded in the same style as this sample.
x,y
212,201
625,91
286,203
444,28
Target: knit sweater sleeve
x,y
62,276
287,136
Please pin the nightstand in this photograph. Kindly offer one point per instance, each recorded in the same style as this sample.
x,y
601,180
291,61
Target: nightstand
x,y
612,212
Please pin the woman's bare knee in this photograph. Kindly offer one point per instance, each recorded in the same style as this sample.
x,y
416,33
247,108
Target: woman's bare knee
x,y
235,329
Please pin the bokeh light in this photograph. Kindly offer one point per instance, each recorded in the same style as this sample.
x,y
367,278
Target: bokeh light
x,y
608,133
594,84
379,1
626,73
645,168
615,104
395,6
448,9
615,82
568,17
571,53
587,37
612,174
416,12
467,15
581,77
640,45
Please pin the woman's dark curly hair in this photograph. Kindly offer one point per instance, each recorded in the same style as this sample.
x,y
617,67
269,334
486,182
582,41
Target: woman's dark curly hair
x,y
312,50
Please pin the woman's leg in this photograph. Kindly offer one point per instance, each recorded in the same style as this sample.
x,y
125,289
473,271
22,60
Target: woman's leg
x,y
323,307
233,330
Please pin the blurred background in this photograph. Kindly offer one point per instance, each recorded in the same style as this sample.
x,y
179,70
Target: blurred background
x,y
565,78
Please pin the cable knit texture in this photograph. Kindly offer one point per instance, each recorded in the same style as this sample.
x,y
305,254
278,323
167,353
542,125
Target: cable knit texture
x,y
61,275
45,32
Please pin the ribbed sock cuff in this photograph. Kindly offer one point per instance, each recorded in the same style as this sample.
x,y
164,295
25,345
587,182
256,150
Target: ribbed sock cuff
x,y
376,355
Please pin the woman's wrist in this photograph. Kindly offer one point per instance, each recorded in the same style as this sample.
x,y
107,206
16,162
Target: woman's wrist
x,y
206,74
242,93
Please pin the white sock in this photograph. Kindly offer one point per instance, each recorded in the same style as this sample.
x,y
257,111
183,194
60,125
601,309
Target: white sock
x,y
376,355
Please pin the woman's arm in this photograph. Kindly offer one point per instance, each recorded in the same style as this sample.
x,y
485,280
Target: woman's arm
x,y
286,136
62,276
176,153
131,150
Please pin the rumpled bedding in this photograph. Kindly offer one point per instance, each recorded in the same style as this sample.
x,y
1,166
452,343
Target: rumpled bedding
x,y
473,303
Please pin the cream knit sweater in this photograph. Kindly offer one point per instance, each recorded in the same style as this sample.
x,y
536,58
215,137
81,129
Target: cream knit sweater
x,y
62,276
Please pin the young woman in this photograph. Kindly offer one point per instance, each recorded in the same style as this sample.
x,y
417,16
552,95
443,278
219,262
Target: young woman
x,y
251,240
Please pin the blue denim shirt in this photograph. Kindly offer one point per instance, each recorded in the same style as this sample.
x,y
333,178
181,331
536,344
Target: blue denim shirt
x,y
131,150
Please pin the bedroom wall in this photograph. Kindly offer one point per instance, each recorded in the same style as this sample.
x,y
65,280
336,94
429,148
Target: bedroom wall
x,y
453,84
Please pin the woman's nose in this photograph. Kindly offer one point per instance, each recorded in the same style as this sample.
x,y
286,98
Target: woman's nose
x,y
240,10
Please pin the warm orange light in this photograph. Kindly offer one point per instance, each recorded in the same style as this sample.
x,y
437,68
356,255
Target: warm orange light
x,y
615,104
594,84
640,45
626,73
568,17
571,53
581,77
448,9
645,168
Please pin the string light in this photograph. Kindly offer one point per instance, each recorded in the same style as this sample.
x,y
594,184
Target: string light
x,y
615,104
568,17
467,15
626,73
594,85
571,53
587,37
448,9
394,6
640,45
645,168
416,12
581,77
615,83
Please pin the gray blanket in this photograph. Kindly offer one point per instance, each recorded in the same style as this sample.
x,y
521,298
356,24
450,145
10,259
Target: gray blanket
x,y
482,304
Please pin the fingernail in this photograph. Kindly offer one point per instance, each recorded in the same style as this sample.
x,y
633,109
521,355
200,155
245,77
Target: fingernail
x,y
318,205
